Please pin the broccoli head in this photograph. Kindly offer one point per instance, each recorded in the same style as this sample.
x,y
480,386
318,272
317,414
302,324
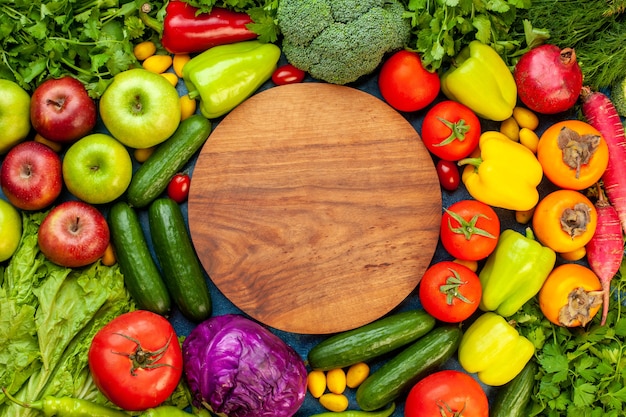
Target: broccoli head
x,y
338,41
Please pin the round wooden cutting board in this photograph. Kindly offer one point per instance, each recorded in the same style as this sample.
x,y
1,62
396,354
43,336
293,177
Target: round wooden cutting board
x,y
314,208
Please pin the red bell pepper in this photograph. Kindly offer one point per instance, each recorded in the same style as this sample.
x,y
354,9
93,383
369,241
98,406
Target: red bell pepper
x,y
184,30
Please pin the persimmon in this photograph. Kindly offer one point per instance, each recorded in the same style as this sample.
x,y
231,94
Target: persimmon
x,y
573,154
565,220
571,295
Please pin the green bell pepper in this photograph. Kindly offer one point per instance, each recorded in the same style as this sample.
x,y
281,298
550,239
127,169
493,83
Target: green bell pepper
x,y
225,75
494,349
514,272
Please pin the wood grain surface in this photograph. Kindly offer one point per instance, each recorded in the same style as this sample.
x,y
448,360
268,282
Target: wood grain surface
x,y
314,208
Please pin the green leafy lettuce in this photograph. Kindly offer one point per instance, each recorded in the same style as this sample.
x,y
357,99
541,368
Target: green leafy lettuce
x,y
48,317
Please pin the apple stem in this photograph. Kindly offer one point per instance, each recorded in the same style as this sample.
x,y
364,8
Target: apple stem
x,y
58,104
74,227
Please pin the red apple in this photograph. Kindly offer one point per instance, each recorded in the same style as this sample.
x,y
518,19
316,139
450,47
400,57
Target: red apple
x,y
61,110
31,176
73,234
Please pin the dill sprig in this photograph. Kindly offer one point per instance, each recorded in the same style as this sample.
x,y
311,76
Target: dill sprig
x,y
596,29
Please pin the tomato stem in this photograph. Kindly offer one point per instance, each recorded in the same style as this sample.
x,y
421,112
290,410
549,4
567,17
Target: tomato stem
x,y
145,359
468,228
458,131
452,286
444,409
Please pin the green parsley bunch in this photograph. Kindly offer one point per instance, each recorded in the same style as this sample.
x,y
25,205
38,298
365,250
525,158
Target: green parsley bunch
x,y
581,371
91,40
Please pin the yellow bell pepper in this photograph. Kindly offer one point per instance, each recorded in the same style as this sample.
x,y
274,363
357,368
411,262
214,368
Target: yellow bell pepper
x,y
481,80
494,349
505,174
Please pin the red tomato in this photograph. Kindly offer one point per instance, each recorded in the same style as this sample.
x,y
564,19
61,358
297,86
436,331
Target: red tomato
x,y
469,230
178,187
287,74
450,292
447,393
136,360
405,84
448,173
450,130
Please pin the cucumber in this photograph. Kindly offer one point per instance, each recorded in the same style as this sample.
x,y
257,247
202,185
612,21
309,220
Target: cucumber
x,y
401,372
512,398
182,272
371,340
152,177
141,275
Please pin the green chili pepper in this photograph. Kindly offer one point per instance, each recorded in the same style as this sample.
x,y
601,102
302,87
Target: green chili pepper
x,y
165,411
225,75
76,407
358,413
67,407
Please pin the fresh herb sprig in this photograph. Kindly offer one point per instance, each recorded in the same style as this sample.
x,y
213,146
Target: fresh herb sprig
x,y
441,28
582,371
89,39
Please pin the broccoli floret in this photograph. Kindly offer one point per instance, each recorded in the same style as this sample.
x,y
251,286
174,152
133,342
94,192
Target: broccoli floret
x,y
338,41
618,96
344,11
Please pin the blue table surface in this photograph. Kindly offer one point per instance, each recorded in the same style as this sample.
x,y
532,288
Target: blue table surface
x,y
303,343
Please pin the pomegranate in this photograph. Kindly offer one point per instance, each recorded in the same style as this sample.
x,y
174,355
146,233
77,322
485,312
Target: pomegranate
x,y
548,79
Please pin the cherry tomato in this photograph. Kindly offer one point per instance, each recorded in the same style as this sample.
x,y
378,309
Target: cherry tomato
x,y
565,220
136,360
405,84
287,74
470,230
448,173
573,154
571,295
450,130
447,393
178,187
450,292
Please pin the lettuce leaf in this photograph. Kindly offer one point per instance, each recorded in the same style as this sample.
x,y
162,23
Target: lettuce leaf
x,y
48,317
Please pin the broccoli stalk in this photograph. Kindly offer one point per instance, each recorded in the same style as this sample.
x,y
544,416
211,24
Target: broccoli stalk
x,y
338,41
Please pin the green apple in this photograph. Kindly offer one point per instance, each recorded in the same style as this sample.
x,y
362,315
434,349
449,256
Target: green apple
x,y
97,168
14,115
140,108
10,229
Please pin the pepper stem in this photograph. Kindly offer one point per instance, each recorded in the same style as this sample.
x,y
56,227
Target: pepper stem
x,y
37,405
470,161
148,20
193,94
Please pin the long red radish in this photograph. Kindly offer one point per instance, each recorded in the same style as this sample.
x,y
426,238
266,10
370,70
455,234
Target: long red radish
x,y
605,250
600,112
